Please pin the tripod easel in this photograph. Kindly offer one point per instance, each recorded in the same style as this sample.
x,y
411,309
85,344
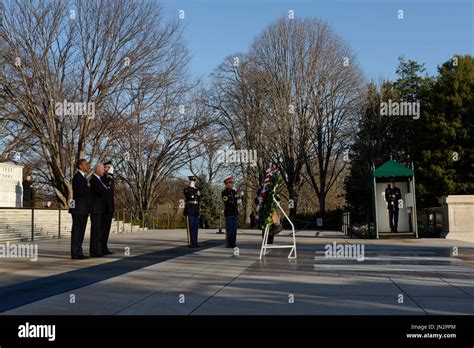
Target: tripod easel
x,y
265,244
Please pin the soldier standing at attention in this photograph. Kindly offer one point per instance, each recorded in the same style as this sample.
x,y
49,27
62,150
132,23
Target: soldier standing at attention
x,y
108,180
392,196
191,211
229,196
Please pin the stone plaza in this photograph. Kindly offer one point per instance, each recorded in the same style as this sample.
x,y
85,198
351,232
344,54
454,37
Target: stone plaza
x,y
154,273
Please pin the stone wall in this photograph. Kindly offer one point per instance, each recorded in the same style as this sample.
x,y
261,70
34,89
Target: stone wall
x,y
11,191
458,217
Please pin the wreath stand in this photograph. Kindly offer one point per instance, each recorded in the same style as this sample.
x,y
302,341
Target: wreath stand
x,y
265,244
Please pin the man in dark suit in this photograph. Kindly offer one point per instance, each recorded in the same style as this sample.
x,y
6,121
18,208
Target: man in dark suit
x,y
79,209
28,195
98,209
108,180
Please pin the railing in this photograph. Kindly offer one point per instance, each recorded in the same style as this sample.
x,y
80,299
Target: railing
x,y
29,224
346,223
430,222
127,220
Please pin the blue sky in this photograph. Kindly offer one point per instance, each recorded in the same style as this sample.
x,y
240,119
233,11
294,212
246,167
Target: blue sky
x,y
431,31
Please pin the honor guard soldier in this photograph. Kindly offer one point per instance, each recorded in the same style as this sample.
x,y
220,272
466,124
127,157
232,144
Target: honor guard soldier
x,y
229,196
191,211
392,196
108,180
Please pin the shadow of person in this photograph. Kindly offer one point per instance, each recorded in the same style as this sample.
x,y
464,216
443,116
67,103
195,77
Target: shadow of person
x,y
19,195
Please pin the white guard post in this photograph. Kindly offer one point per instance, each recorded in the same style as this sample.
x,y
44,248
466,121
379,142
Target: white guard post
x,y
265,244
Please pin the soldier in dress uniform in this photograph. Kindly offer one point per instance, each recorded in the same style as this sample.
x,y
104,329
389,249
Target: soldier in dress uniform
x,y
108,180
191,211
229,196
392,196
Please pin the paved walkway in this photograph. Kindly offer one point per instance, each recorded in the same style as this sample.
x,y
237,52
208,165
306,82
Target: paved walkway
x,y
161,276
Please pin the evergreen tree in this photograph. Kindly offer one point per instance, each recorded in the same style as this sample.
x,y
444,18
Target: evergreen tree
x,y
375,143
439,143
211,202
384,137
412,85
444,152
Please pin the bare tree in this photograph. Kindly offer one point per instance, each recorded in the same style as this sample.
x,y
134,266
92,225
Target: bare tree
x,y
292,97
283,54
165,121
204,156
86,52
334,105
238,99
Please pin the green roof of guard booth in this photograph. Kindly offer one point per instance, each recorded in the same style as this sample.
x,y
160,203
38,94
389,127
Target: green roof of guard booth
x,y
393,169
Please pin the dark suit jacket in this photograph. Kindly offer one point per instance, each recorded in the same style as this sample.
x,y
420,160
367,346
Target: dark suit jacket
x,y
108,180
80,194
98,196
27,192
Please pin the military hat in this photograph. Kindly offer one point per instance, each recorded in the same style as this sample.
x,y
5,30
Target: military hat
x,y
108,163
192,178
228,179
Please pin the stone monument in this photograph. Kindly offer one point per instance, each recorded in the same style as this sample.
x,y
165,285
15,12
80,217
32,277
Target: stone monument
x,y
458,217
11,191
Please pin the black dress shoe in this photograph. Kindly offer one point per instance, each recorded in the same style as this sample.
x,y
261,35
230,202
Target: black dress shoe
x,y
108,252
97,255
80,257
193,246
